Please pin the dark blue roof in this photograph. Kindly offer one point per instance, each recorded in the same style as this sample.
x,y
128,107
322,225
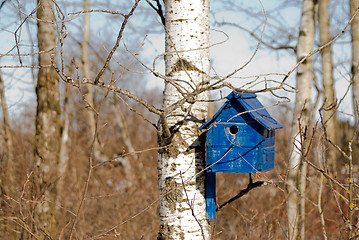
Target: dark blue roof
x,y
251,104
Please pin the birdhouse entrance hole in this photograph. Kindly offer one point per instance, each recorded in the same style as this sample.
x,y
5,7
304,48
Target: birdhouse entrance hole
x,y
233,130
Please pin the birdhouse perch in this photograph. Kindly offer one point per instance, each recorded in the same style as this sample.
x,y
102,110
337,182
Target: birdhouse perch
x,y
240,138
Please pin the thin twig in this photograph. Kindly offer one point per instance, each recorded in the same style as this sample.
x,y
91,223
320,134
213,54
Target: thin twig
x,y
280,47
319,205
254,53
98,10
320,209
15,34
119,37
90,159
350,192
191,206
321,47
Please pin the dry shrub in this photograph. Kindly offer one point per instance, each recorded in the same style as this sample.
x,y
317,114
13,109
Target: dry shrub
x,y
132,213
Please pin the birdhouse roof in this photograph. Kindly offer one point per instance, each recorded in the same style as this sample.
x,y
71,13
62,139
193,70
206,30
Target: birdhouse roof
x,y
251,105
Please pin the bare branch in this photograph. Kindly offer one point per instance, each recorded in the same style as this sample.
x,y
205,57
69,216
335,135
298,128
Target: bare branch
x,y
119,37
321,47
253,55
158,10
251,185
15,34
191,206
99,10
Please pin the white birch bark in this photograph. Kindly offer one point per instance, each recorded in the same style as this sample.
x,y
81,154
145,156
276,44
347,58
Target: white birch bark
x,y
329,116
187,64
297,168
354,5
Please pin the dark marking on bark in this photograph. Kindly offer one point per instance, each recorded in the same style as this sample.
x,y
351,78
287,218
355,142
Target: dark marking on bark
x,y
173,167
173,192
184,65
164,233
166,142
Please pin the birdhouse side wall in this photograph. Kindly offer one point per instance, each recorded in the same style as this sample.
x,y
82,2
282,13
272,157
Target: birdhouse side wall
x,y
268,151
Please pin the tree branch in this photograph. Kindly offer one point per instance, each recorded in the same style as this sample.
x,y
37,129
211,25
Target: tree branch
x,y
158,10
251,185
119,37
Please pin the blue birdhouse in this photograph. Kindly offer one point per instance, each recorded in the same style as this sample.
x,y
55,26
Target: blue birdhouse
x,y
240,138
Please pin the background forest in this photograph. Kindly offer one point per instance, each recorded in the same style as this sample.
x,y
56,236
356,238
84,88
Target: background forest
x,y
83,118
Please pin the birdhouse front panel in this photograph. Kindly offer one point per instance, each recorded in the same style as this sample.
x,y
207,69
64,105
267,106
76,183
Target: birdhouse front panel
x,y
234,147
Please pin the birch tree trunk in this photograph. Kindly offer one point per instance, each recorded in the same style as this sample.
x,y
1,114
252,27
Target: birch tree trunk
x,y
354,5
183,207
47,138
329,115
301,120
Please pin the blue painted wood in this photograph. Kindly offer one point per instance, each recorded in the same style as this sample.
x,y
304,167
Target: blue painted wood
x,y
250,148
220,135
240,139
211,195
238,103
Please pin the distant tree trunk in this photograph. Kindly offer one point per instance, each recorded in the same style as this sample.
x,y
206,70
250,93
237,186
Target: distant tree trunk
x,y
127,161
47,138
329,116
300,127
8,146
7,165
89,94
354,5
187,65
64,148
